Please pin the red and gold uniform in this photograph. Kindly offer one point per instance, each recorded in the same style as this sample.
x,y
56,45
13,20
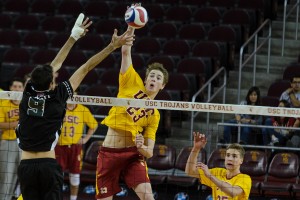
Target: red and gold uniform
x,y
69,151
135,120
9,112
127,163
10,153
241,180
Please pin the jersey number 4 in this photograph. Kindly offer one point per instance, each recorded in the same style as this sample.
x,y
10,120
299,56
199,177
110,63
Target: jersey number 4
x,y
36,107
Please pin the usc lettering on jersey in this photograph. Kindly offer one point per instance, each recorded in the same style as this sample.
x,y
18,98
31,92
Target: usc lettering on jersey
x,y
74,122
135,120
9,112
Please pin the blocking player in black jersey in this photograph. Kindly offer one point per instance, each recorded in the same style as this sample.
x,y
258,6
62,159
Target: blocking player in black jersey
x,y
42,110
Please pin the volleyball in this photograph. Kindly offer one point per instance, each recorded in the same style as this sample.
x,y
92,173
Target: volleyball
x,y
136,16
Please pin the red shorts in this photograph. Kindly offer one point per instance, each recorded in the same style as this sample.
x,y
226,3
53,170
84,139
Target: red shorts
x,y
115,164
69,157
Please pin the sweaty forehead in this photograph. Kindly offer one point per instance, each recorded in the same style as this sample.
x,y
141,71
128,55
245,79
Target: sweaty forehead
x,y
233,152
17,83
156,72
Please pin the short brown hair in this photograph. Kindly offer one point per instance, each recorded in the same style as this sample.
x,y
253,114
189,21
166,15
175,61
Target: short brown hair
x,y
160,67
237,147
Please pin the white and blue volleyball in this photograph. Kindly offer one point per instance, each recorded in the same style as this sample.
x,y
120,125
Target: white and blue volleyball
x,y
136,16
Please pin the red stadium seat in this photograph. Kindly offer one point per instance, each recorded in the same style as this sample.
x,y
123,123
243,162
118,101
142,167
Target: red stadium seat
x,y
43,56
227,35
16,55
269,101
179,85
217,52
155,11
91,78
75,59
194,2
63,75
119,10
222,33
241,19
167,61
98,90
236,16
255,165
54,24
26,23
147,45
22,71
6,21
163,30
110,62
164,2
195,69
209,15
290,71
110,78
91,42
88,172
207,49
163,95
99,9
256,5
192,32
107,26
43,7
13,59
16,6
138,61
70,8
217,158
184,16
221,3
180,178
161,163
278,87
282,174
35,40
176,47
59,40
9,38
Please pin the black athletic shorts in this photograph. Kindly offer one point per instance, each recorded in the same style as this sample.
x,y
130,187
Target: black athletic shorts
x,y
40,179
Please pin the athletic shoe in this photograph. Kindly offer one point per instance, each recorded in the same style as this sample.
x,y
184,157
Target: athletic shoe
x,y
90,189
123,193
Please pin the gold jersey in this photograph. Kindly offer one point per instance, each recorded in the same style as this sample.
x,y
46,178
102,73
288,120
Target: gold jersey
x,y
134,120
241,180
74,124
9,112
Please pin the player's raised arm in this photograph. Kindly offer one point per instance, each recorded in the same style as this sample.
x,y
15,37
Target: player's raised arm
x,y
126,53
116,42
79,30
191,165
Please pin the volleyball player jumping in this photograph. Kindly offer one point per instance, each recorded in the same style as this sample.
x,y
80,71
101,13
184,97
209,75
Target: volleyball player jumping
x,y
42,110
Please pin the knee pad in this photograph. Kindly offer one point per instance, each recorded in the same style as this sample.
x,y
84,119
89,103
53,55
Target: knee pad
x,y
74,179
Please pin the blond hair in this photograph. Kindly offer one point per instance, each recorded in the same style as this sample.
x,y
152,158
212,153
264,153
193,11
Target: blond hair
x,y
160,67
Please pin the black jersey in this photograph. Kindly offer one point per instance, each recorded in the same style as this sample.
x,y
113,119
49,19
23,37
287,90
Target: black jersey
x,y
41,117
